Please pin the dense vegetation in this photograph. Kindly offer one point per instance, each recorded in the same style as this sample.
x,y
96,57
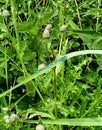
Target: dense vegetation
x,y
39,83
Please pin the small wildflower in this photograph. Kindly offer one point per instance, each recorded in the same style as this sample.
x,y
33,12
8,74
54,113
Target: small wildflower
x,y
40,127
63,28
46,34
48,27
5,13
13,117
5,109
41,66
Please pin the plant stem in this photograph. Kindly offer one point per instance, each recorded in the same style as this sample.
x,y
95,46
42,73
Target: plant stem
x,y
55,89
78,13
97,22
6,68
60,43
25,73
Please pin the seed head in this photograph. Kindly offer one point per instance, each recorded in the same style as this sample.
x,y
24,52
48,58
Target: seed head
x,y
40,127
5,13
63,28
48,27
46,34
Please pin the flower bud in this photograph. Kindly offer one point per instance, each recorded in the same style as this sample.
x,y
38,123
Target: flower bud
x,y
5,13
63,28
48,27
46,34
40,127
41,66
7,121
13,117
6,117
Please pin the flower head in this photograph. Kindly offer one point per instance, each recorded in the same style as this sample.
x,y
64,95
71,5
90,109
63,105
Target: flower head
x,y
41,66
7,119
5,13
46,34
48,27
40,127
13,117
63,28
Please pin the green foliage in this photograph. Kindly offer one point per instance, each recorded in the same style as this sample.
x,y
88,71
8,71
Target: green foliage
x,y
66,94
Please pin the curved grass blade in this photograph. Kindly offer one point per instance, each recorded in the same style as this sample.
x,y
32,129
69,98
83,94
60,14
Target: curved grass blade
x,y
51,65
71,122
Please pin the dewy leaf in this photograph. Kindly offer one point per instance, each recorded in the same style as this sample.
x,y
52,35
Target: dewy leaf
x,y
50,66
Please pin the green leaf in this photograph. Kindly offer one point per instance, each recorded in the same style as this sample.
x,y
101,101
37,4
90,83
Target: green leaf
x,y
72,122
97,93
37,113
50,66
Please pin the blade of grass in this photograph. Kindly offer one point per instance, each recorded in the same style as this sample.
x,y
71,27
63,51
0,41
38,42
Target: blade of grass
x,y
53,64
71,122
6,68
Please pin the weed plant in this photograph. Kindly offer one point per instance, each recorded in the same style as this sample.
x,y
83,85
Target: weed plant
x,y
50,64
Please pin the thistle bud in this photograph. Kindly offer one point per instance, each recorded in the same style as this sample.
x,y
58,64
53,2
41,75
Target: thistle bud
x,y
63,28
40,127
13,117
46,34
48,27
5,13
6,118
41,66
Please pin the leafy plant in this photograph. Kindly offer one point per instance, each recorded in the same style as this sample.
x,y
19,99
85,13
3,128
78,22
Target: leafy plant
x,y
50,64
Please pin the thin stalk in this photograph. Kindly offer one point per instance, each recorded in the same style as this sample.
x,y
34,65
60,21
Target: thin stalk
x,y
97,22
93,105
78,13
90,108
10,95
52,65
55,90
25,73
60,43
29,10
6,68
13,10
14,22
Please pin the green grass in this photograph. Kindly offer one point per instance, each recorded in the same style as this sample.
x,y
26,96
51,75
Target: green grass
x,y
66,94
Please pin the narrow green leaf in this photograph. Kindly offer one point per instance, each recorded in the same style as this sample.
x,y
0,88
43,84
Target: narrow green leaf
x,y
51,65
71,122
